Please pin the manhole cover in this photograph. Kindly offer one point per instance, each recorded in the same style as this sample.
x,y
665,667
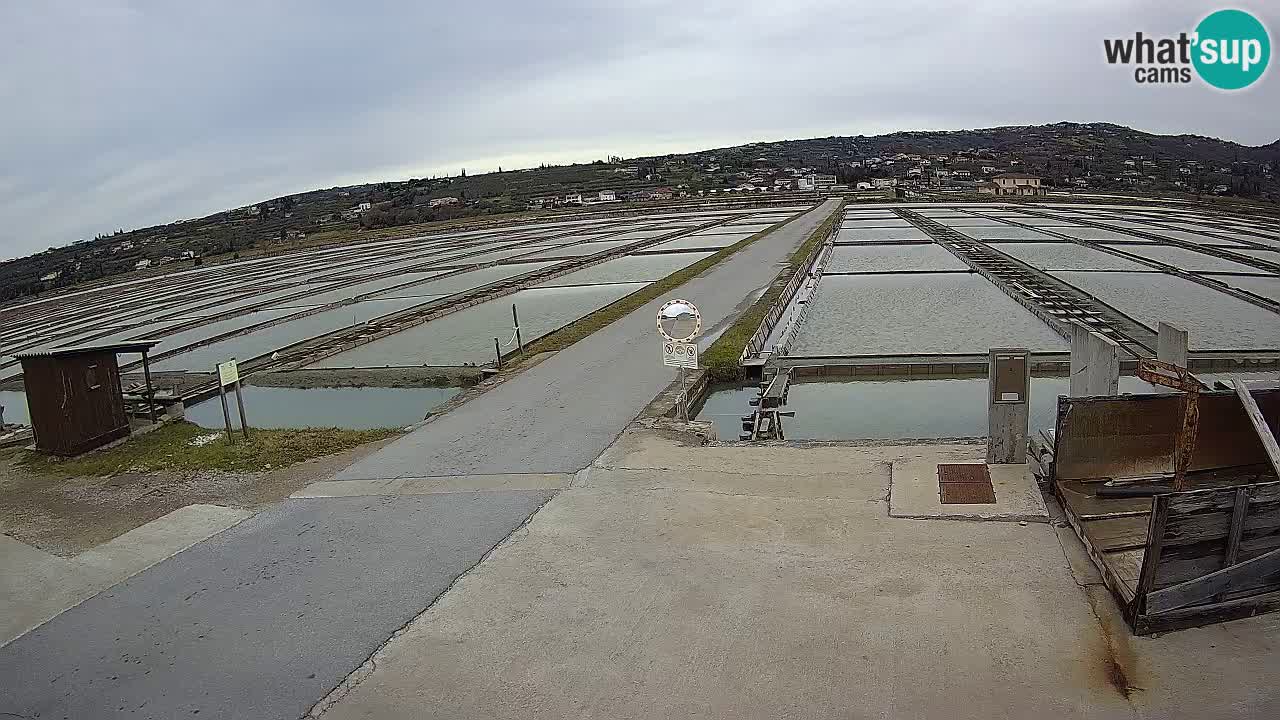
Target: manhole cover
x,y
963,473
965,484
967,493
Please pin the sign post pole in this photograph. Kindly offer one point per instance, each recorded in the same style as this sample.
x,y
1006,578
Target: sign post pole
x,y
515,320
226,414
244,421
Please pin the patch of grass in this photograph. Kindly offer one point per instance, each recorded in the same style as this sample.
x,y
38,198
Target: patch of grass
x,y
170,448
721,359
573,332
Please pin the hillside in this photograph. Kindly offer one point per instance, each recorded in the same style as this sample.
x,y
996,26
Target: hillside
x,y
1093,156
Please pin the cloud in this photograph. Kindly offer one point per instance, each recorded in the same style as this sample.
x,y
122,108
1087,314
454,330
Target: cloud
x,y
124,114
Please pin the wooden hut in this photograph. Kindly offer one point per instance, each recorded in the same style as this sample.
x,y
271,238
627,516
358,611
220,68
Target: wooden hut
x,y
74,395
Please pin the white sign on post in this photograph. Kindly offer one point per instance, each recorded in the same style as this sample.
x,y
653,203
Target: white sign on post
x,y
228,373
680,354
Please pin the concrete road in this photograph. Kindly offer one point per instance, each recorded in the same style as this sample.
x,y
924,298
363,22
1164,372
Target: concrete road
x,y
262,620
561,414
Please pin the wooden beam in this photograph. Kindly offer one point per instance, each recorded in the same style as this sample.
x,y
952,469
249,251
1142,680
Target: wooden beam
x,y
1155,543
1259,422
1206,587
1237,527
1236,531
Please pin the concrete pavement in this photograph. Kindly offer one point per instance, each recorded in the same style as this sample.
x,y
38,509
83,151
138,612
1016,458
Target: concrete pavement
x,y
675,581
263,619
560,415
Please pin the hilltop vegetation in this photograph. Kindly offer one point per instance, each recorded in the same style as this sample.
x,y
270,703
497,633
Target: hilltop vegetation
x,y
1093,156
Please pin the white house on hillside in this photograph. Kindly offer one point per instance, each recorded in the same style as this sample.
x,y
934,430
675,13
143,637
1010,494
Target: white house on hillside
x,y
1012,184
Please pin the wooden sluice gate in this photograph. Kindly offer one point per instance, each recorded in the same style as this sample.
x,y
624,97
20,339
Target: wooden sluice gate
x,y
1175,496
765,423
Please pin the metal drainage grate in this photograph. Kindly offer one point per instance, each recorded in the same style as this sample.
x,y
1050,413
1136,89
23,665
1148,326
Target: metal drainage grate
x,y
965,484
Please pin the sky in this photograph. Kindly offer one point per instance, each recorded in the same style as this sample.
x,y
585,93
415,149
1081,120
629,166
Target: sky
x,y
128,114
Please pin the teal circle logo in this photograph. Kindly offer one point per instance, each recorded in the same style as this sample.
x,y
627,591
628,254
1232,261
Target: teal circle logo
x,y
1232,49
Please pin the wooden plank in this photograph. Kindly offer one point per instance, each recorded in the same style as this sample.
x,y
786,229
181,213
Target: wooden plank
x,y
1118,533
1080,500
1204,588
1260,426
1199,615
1155,540
1237,527
1235,532
1126,565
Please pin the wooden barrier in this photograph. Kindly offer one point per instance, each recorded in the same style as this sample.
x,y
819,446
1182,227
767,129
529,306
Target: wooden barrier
x,y
1173,559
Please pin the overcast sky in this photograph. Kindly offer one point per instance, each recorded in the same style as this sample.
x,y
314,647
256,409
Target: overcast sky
x,y
126,114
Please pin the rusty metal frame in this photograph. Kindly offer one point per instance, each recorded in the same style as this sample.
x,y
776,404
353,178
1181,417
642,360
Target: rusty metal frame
x,y
1167,374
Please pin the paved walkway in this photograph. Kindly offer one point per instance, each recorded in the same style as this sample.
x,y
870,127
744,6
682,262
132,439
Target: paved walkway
x,y
561,414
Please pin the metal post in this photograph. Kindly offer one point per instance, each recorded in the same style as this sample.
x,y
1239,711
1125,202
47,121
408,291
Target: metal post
x,y
682,405
151,393
515,319
244,421
497,350
226,414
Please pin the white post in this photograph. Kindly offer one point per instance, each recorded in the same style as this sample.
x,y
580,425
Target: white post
x,y
1095,363
1171,344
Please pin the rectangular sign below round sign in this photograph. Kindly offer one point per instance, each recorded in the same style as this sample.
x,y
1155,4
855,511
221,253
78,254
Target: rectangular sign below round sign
x,y
228,373
680,354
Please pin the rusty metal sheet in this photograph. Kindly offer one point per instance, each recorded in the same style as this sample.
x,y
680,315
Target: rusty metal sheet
x,y
963,473
1136,435
961,493
1166,374
965,484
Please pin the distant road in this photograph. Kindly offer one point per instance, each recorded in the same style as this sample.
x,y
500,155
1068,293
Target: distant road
x,y
558,416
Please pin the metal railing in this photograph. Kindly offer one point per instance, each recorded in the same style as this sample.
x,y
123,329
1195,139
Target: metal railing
x,y
779,307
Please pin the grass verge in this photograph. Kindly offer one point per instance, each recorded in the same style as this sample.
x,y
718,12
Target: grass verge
x,y
721,359
171,448
573,332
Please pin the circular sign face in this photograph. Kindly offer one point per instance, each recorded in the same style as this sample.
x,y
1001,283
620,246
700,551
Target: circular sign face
x,y
679,320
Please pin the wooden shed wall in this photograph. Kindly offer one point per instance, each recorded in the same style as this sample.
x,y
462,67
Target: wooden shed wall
x,y
75,401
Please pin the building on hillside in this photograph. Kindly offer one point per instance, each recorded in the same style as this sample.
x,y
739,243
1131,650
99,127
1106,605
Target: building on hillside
x,y
573,199
824,182
1012,184
662,193
443,201
608,196
142,264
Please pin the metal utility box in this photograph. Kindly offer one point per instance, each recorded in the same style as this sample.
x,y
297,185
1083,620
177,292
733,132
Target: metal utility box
x,y
1009,372
74,396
